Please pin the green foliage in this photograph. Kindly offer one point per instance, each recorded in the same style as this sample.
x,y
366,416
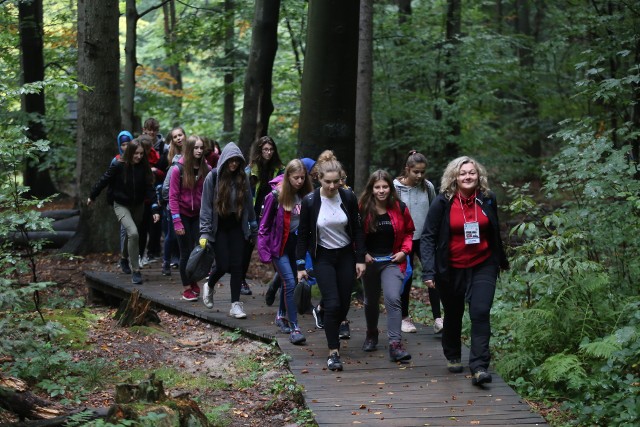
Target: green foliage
x,y
220,415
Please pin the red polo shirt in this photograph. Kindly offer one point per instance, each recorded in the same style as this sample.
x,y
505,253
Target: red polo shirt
x,y
462,255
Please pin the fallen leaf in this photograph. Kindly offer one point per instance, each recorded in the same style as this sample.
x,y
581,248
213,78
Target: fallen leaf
x,y
363,407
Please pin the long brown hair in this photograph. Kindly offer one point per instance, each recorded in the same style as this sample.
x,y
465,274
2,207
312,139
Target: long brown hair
x,y
266,168
189,177
367,201
287,195
226,180
127,159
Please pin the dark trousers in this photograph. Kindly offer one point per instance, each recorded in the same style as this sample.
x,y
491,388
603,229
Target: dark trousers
x,y
155,234
475,286
229,247
186,243
434,296
335,271
147,220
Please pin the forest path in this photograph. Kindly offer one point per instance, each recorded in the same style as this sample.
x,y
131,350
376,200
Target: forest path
x,y
371,390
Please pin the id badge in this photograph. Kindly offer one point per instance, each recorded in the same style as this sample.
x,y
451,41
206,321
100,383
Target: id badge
x,y
471,233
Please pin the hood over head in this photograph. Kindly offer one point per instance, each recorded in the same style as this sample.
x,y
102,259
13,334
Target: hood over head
x,y
124,136
229,151
308,163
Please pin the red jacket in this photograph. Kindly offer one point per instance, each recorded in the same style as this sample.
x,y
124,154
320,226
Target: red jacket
x,y
403,229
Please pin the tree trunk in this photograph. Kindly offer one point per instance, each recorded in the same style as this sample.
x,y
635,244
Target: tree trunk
x,y
364,124
170,28
328,101
98,121
452,78
32,60
257,106
129,121
229,113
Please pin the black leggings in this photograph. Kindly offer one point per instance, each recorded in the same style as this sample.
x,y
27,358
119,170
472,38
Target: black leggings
x,y
228,247
335,271
186,243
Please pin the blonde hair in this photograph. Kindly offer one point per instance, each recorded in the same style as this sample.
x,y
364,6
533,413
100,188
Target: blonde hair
x,y
449,182
287,195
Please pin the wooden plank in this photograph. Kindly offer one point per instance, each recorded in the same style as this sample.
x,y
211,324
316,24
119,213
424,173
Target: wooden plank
x,y
371,390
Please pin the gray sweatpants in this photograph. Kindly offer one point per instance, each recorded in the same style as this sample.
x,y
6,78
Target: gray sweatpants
x,y
385,277
130,218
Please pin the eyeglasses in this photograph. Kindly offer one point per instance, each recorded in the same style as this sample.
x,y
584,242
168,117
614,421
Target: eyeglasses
x,y
268,150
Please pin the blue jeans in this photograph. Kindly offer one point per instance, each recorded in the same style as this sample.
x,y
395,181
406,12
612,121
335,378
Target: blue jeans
x,y
286,268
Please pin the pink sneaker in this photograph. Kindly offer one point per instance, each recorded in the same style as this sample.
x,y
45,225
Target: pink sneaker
x,y
189,295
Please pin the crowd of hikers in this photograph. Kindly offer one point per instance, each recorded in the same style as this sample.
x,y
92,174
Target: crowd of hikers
x,y
172,194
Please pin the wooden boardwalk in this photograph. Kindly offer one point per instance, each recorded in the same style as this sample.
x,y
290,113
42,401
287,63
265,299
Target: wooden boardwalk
x,y
371,391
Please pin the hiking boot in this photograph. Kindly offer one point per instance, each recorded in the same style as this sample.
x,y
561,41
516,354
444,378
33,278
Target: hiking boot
x,y
136,278
237,310
188,295
166,269
481,376
207,295
283,324
124,266
371,341
272,290
438,325
408,326
318,315
195,288
397,353
333,362
454,366
344,331
245,289
296,337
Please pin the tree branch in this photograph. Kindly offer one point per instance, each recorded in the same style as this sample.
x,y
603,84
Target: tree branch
x,y
152,8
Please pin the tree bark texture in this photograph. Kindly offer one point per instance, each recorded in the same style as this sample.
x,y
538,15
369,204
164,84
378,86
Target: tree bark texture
x,y
452,75
364,122
32,61
257,105
129,121
229,112
98,121
170,28
327,111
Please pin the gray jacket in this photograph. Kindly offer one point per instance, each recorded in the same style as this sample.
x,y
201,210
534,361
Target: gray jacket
x,y
209,215
417,201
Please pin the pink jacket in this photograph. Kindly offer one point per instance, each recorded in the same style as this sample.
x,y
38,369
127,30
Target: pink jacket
x,y
184,201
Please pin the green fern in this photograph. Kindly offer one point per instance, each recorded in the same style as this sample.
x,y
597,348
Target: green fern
x,y
563,369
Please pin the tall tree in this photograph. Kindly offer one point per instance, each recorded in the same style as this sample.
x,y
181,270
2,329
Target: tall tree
x,y
98,120
229,107
451,76
170,38
32,59
364,124
328,104
257,105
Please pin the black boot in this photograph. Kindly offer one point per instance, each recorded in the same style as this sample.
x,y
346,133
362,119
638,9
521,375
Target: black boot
x,y
371,341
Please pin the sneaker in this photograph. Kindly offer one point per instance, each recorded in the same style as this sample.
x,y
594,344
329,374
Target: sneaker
x,y
195,288
152,258
318,315
333,362
175,265
283,324
237,310
454,366
480,377
296,337
124,266
245,289
344,331
143,260
371,341
272,290
408,326
136,278
438,325
397,353
188,295
166,269
207,295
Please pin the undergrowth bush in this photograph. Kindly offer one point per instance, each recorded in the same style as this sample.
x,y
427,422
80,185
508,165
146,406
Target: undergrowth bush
x,y
567,318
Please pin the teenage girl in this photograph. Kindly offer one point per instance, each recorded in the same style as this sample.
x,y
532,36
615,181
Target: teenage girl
x,y
277,238
185,194
331,231
388,229
129,182
170,245
417,193
227,220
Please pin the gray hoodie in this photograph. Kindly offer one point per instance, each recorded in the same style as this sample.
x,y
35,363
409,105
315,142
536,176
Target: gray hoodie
x,y
417,201
209,215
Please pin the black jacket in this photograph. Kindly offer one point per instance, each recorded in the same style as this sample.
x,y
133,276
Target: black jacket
x,y
308,228
434,241
127,185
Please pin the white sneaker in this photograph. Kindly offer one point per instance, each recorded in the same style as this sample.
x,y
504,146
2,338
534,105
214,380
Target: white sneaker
x,y
207,295
143,261
237,310
438,325
408,326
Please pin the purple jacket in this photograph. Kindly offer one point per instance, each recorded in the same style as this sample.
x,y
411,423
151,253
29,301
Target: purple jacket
x,y
184,201
274,225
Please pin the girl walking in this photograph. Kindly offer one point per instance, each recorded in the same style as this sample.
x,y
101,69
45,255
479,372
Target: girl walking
x,y
388,229
331,231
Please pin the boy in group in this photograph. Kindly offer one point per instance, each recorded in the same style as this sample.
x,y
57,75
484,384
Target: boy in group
x,y
151,127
